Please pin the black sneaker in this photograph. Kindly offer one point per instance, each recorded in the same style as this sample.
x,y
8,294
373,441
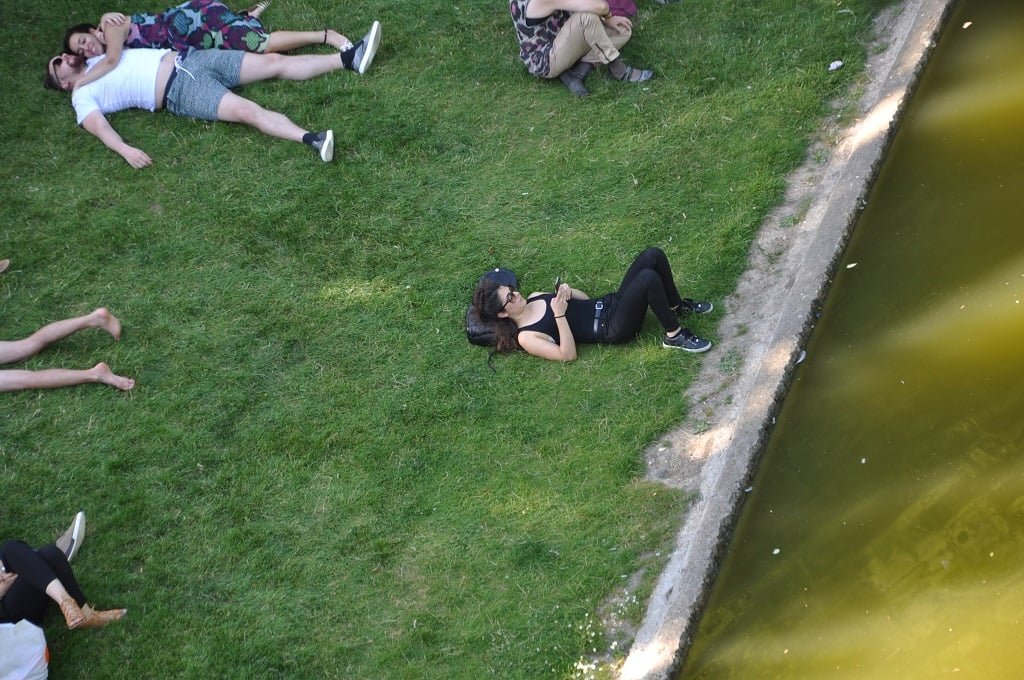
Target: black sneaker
x,y
688,342
359,57
324,144
694,307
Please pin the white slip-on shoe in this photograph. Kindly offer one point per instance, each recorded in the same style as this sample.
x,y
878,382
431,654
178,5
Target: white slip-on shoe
x,y
71,541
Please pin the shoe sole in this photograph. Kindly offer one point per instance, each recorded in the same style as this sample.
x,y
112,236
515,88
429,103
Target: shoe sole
x,y
687,349
371,41
77,532
327,149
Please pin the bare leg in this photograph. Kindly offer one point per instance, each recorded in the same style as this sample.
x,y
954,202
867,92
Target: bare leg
x,y
235,109
256,67
20,350
13,380
55,591
286,41
4,264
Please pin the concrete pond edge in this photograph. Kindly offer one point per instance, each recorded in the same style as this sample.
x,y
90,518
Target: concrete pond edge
x,y
770,316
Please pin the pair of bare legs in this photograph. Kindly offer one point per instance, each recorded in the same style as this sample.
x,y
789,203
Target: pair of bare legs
x,y
19,350
286,41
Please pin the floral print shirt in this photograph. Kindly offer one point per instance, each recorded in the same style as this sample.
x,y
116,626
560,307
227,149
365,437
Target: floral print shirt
x,y
536,36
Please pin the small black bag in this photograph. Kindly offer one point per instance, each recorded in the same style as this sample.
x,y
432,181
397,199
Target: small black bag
x,y
478,331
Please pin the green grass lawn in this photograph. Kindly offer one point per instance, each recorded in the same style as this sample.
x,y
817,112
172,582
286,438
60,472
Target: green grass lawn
x,y
316,475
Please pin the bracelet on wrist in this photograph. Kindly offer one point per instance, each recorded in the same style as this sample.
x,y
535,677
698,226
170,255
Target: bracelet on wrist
x,y
560,317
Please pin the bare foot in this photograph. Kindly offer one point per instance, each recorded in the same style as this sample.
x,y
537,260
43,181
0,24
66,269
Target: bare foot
x,y
337,40
106,376
109,322
4,264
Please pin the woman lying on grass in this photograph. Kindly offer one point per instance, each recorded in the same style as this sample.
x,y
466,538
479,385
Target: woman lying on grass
x,y
197,24
549,325
31,579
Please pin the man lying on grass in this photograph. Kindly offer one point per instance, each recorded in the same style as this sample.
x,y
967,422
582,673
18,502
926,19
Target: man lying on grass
x,y
196,85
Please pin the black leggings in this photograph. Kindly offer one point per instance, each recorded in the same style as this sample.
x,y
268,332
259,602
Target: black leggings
x,y
648,283
27,598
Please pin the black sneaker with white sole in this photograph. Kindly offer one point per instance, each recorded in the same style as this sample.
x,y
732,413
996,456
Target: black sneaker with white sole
x,y
694,307
324,145
688,342
359,57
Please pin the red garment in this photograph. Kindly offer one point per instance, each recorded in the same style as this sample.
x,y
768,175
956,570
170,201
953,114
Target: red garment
x,y
622,8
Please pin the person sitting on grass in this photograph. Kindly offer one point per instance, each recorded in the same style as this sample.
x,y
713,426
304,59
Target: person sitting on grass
x,y
549,325
565,39
196,85
19,350
200,25
31,579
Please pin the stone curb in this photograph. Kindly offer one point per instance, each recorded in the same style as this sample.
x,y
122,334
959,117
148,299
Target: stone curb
x,y
791,269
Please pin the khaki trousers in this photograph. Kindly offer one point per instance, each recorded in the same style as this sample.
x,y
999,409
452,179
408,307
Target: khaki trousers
x,y
585,37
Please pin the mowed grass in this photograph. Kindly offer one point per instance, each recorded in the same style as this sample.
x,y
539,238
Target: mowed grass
x,y
316,475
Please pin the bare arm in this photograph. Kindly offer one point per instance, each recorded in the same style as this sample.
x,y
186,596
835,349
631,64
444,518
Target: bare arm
x,y
114,18
577,295
96,124
115,35
538,9
6,581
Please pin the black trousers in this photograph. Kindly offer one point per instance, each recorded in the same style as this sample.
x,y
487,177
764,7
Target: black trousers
x,y
648,283
27,598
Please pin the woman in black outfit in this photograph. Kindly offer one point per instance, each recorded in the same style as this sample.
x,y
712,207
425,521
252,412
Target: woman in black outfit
x,y
30,579
549,325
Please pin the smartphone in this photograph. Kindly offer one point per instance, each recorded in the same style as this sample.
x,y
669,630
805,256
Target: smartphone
x,y
558,282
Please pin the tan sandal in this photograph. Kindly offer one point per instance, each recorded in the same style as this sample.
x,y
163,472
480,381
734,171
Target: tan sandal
x,y
256,10
99,619
73,614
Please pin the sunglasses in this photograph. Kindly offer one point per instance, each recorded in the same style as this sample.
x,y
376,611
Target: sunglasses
x,y
511,296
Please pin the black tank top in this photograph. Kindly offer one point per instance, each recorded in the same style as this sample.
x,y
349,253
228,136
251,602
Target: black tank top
x,y
579,314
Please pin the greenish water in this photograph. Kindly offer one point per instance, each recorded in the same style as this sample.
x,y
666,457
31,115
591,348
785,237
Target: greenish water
x,y
893,483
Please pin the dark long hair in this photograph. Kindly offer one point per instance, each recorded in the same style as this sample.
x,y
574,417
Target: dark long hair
x,y
488,304
77,28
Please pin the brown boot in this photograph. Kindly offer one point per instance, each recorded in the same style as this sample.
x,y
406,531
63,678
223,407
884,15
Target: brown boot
x,y
73,615
98,619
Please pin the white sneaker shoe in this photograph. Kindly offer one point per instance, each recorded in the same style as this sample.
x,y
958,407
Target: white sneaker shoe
x,y
71,541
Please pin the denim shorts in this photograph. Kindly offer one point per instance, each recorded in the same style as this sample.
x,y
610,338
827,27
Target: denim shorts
x,y
202,79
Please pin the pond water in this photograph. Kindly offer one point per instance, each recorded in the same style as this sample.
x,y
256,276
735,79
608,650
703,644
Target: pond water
x,y
884,536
